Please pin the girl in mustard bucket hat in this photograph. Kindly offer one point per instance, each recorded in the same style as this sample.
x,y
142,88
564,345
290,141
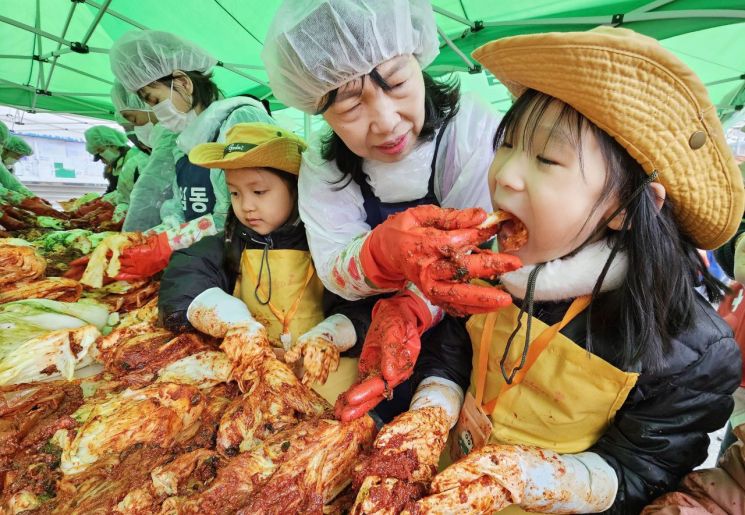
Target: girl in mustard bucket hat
x,y
258,272
595,390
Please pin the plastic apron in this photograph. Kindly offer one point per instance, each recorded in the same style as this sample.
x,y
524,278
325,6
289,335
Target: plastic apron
x,y
564,398
295,306
195,189
377,212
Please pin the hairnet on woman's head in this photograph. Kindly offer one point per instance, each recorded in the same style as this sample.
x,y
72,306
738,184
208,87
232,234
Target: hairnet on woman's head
x,y
127,100
100,136
18,145
315,46
4,134
141,57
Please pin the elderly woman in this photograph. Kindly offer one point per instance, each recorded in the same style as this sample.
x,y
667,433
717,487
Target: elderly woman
x,y
397,139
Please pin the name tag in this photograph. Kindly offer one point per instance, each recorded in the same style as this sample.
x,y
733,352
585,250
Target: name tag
x,y
472,431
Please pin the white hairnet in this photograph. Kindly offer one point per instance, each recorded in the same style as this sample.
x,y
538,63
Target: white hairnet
x,y
18,145
315,46
100,136
127,100
141,57
4,133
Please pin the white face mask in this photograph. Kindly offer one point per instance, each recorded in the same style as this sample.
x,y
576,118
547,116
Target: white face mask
x,y
170,117
143,133
109,155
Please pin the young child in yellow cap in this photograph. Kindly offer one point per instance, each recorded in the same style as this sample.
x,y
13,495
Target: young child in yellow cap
x,y
595,390
259,272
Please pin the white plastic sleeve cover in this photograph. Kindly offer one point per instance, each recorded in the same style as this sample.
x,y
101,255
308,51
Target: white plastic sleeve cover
x,y
441,392
214,312
568,483
337,329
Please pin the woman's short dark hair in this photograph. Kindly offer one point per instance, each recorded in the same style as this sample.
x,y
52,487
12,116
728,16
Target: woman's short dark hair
x,y
440,104
204,90
657,300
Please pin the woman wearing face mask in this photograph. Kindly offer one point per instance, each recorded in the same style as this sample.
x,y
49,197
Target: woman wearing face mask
x,y
173,77
156,176
398,139
14,150
110,146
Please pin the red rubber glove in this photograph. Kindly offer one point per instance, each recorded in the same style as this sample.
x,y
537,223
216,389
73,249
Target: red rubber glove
x,y
10,223
408,245
142,261
389,353
40,207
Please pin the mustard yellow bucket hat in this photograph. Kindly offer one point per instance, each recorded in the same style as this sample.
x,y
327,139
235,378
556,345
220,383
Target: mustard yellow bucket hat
x,y
252,145
649,101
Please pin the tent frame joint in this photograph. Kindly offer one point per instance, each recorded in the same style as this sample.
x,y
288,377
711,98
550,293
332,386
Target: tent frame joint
x,y
617,20
77,1
79,48
478,25
43,92
475,69
39,58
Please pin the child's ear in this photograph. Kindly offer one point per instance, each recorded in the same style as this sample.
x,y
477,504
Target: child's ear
x,y
658,195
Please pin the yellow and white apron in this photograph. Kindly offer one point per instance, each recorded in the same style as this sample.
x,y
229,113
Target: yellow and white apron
x,y
563,399
294,308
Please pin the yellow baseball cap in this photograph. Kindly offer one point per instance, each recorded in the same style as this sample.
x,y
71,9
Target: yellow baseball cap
x,y
252,145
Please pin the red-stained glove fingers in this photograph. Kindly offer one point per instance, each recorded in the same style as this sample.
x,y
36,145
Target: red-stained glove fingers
x,y
480,264
361,398
461,299
397,249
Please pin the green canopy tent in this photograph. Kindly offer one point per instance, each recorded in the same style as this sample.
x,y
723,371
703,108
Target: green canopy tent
x,y
53,53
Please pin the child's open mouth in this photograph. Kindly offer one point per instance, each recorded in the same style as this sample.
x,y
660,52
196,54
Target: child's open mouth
x,y
511,232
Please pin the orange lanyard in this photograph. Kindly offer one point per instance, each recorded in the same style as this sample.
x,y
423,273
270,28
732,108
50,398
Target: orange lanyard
x,y
537,346
284,318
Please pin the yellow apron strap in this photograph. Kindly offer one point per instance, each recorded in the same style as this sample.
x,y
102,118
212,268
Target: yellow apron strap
x,y
285,319
489,322
539,345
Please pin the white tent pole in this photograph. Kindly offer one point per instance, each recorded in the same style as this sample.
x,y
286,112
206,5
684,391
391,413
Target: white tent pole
x,y
81,72
245,66
651,6
242,74
628,18
46,34
471,67
36,31
453,16
56,53
73,5
95,22
117,15
40,77
77,94
16,85
724,81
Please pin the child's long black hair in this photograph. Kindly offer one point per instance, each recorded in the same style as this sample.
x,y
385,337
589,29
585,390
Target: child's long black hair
x,y
657,299
440,104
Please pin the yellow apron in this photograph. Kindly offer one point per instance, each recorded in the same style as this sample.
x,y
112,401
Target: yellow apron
x,y
295,307
563,398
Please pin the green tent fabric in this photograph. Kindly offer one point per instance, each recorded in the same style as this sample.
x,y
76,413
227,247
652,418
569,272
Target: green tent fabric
x,y
53,53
